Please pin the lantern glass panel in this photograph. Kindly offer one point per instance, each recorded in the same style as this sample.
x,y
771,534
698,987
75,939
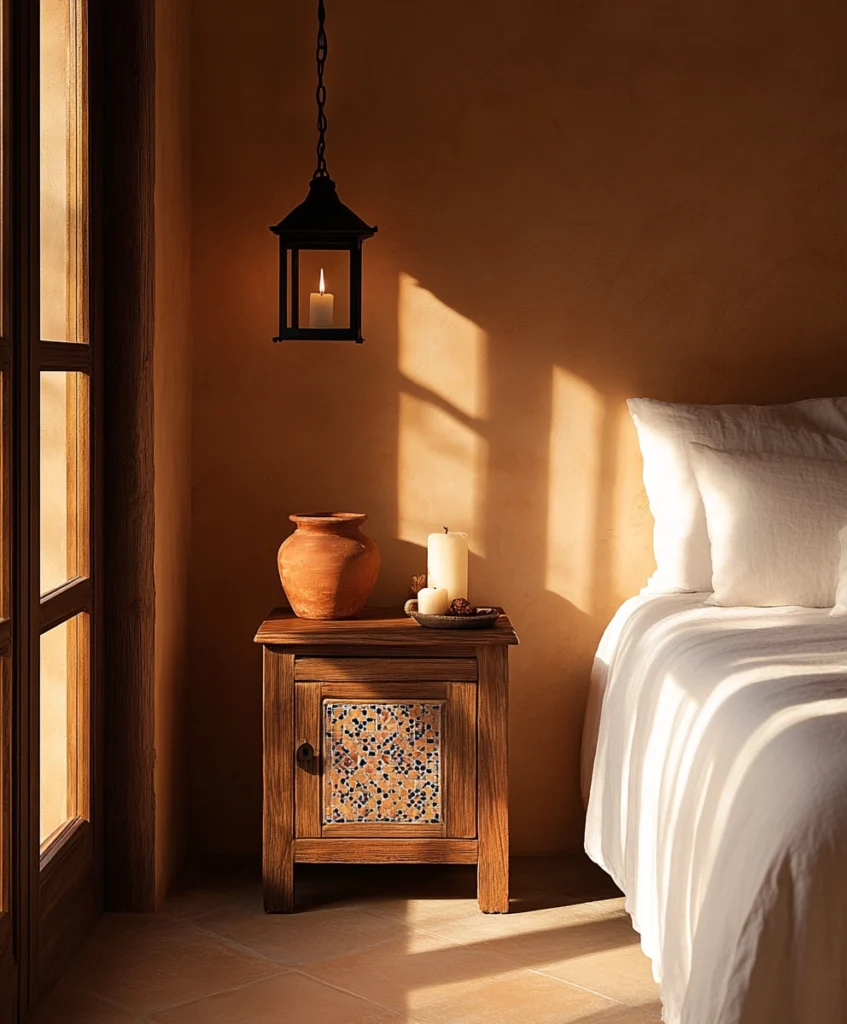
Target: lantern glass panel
x,y
332,308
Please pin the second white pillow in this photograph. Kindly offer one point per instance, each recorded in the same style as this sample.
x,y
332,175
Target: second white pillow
x,y
773,523
814,428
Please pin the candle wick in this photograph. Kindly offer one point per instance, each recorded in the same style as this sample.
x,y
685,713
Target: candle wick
x,y
445,529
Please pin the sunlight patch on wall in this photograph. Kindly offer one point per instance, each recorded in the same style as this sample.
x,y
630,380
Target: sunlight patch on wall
x,y
442,459
576,423
441,473
441,350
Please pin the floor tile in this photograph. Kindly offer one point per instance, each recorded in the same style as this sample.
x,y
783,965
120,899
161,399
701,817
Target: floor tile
x,y
623,974
398,944
288,997
532,939
69,1004
145,963
625,1015
300,938
439,982
416,906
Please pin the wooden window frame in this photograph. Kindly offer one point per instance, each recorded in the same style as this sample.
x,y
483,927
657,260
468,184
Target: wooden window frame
x,y
58,883
73,600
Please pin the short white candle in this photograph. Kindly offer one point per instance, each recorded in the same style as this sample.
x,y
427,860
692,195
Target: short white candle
x,y
447,563
321,304
433,601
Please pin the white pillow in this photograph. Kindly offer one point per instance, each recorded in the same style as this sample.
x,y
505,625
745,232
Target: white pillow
x,y
840,609
773,522
816,427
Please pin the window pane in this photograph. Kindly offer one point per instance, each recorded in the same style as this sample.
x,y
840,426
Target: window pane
x,y
64,478
63,725
64,198
54,730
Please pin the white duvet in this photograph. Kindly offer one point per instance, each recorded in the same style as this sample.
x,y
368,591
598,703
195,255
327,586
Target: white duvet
x,y
716,754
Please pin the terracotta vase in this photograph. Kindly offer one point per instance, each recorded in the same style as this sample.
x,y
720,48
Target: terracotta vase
x,y
327,566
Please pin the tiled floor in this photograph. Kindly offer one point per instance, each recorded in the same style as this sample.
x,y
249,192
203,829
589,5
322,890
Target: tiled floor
x,y
370,945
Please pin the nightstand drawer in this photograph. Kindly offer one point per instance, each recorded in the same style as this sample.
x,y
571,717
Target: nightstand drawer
x,y
382,760
389,670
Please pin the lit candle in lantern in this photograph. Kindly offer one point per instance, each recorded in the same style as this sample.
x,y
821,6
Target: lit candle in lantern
x,y
447,563
321,305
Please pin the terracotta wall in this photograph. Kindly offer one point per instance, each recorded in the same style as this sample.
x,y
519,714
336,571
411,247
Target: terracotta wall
x,y
172,431
577,202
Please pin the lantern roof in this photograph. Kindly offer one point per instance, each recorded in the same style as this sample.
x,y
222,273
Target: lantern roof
x,y
322,212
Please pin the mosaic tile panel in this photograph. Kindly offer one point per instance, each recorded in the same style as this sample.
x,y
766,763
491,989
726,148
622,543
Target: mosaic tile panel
x,y
383,762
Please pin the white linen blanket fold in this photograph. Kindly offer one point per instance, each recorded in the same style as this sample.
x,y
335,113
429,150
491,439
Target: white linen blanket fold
x,y
715,751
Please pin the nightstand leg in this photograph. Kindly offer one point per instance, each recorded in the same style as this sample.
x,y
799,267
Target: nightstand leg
x,y
278,801
493,780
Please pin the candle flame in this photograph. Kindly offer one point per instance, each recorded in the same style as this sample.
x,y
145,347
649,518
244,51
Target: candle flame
x,y
322,285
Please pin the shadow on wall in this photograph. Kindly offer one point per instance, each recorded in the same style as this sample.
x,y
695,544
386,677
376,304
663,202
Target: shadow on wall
x,y
585,203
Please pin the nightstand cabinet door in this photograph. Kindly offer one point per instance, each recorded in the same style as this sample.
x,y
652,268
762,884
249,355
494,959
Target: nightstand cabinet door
x,y
385,760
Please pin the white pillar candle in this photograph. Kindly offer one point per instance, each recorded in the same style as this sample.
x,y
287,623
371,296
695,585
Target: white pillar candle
x,y
447,563
433,601
321,304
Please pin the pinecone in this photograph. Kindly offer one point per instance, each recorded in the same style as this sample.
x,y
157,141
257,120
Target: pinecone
x,y
462,607
417,584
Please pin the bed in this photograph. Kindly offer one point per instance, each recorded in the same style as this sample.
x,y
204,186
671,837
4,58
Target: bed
x,y
715,773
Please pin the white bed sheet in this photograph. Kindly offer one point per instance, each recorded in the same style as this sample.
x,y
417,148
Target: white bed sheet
x,y
715,751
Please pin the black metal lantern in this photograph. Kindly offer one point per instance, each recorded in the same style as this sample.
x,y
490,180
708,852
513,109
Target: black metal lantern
x,y
321,224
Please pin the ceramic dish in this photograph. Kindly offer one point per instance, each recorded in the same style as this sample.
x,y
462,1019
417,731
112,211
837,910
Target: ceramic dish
x,y
484,619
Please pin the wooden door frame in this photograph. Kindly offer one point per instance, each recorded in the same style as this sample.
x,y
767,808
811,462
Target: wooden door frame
x,y
122,42
76,853
128,46
70,875
24,69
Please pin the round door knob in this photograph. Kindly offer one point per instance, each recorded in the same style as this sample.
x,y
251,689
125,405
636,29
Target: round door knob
x,y
305,753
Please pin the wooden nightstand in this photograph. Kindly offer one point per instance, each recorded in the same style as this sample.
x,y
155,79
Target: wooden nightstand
x,y
385,743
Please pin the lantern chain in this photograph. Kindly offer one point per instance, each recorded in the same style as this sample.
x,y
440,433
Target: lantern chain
x,y
320,94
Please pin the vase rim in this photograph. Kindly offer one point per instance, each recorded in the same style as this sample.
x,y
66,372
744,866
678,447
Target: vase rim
x,y
327,518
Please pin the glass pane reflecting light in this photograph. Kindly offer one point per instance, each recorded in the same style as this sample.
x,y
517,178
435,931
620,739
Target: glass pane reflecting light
x,y
63,146
55,673
63,730
64,484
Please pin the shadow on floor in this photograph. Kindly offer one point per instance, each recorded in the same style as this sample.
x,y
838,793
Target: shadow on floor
x,y
367,945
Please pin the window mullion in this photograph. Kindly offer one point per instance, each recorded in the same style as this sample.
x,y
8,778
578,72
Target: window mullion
x,y
59,355
63,603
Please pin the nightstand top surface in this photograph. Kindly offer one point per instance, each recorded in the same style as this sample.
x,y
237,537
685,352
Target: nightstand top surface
x,y
376,628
